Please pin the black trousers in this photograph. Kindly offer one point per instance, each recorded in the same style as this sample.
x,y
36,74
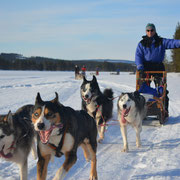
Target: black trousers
x,y
149,66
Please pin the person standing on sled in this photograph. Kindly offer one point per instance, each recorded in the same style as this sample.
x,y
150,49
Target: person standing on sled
x,y
76,70
150,53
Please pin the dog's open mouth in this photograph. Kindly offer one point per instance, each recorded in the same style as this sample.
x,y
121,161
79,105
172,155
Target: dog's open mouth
x,y
44,135
87,100
124,114
6,156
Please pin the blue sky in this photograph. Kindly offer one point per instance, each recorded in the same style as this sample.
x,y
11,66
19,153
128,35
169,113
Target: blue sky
x,y
82,29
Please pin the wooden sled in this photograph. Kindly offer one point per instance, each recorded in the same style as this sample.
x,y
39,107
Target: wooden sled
x,y
156,113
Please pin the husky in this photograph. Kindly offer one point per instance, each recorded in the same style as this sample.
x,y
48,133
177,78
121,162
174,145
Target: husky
x,y
132,110
97,104
61,130
78,76
17,138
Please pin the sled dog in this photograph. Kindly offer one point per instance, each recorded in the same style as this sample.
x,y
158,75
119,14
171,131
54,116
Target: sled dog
x,y
97,104
17,138
61,130
131,110
78,76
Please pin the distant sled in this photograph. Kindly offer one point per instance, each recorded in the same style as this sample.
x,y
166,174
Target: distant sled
x,y
114,73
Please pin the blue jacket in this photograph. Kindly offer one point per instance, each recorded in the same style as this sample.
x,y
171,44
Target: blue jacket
x,y
154,54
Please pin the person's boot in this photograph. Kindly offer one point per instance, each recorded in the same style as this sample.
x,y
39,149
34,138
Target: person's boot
x,y
166,114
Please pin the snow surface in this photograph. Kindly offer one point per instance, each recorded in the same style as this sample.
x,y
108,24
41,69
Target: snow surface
x,y
158,158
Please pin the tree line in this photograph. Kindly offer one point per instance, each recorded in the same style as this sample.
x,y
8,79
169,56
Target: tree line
x,y
17,62
176,52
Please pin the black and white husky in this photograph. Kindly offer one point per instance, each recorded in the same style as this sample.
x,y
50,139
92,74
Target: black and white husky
x,y
17,138
97,104
61,130
131,110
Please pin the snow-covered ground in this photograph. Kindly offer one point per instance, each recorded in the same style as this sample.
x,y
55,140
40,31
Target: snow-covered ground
x,y
158,158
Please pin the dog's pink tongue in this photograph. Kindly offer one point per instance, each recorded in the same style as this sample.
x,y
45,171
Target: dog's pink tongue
x,y
9,155
44,135
123,113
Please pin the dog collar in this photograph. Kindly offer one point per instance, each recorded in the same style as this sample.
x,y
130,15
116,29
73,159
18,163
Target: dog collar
x,y
58,153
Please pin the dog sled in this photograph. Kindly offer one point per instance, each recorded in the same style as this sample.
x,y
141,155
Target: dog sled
x,y
114,73
156,113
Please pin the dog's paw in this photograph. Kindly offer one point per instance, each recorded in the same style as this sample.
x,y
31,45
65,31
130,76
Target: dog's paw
x,y
124,150
93,178
138,145
100,140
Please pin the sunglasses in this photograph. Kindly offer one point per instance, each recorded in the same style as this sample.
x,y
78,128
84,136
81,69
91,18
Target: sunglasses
x,y
150,30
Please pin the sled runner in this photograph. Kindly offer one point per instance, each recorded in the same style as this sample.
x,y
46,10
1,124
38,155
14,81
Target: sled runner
x,y
156,106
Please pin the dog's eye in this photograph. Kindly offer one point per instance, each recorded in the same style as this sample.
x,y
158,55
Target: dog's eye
x,y
49,114
128,100
36,114
2,136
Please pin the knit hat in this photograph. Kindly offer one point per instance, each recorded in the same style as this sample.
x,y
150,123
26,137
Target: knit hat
x,y
150,26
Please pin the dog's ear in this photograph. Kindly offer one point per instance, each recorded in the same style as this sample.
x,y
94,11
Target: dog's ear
x,y
94,78
122,94
84,79
38,99
9,119
136,94
56,99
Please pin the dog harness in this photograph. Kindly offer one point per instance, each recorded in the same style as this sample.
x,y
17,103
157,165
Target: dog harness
x,y
59,147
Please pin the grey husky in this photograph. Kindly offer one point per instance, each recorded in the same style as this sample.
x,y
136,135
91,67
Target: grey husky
x,y
17,138
132,110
